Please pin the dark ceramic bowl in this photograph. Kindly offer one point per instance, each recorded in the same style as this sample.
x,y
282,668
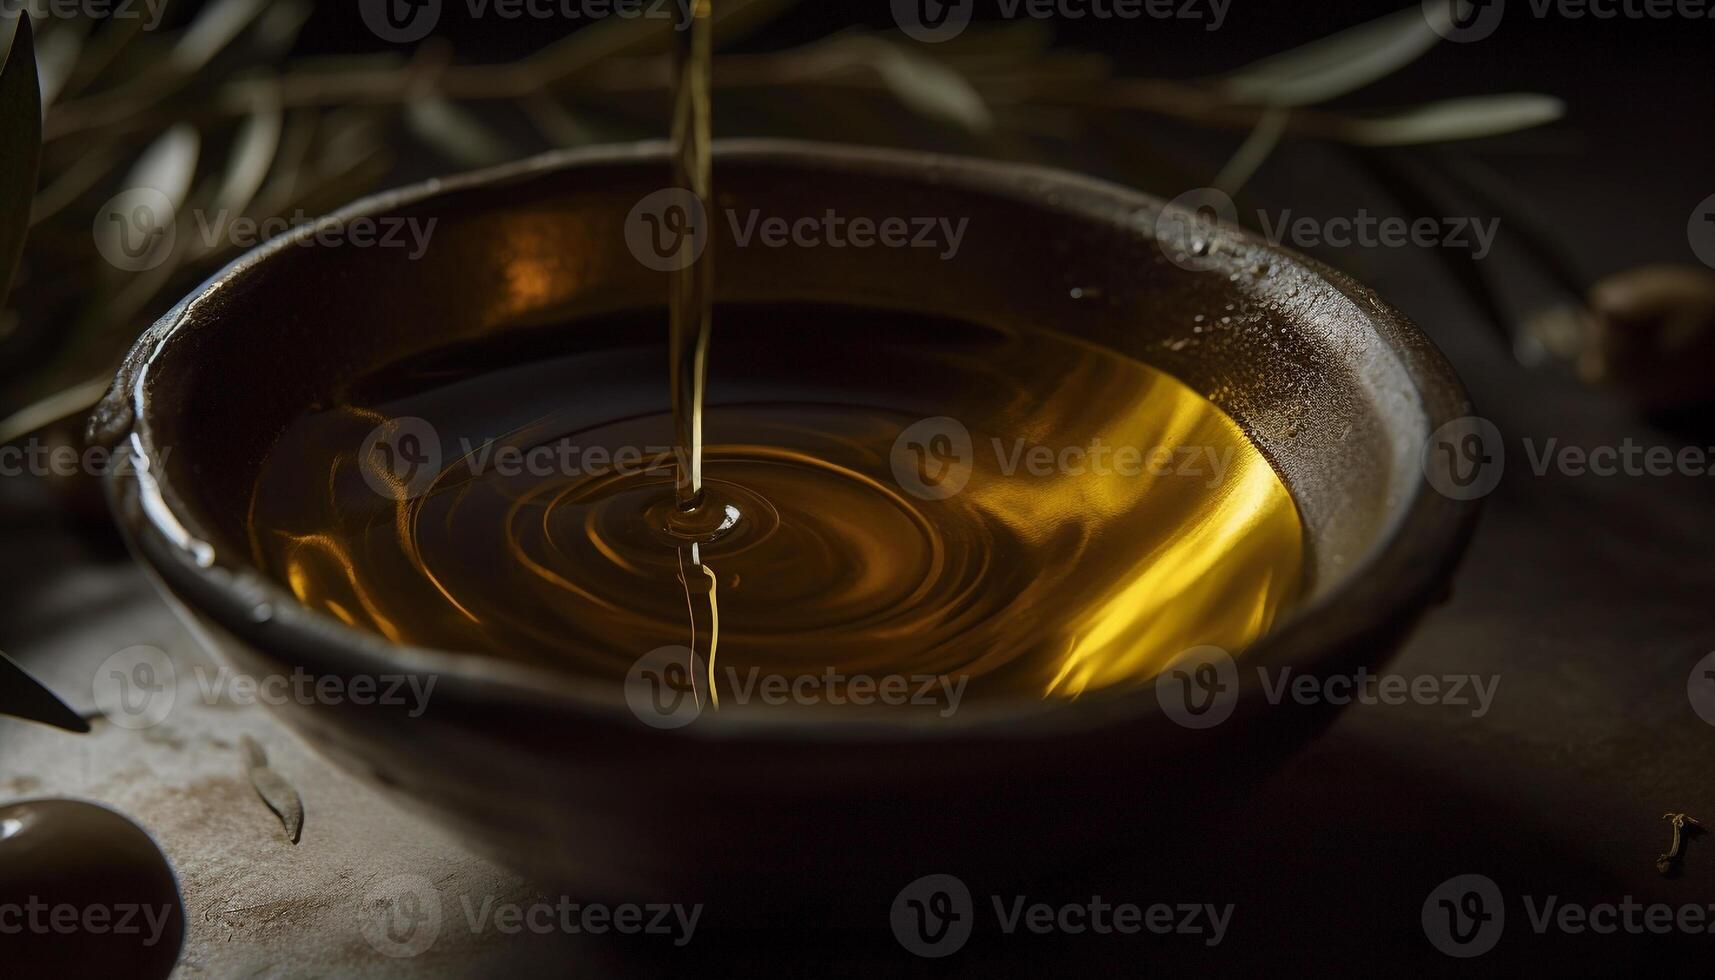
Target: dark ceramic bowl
x,y
1339,391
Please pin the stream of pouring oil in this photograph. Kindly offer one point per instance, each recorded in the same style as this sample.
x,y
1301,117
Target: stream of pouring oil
x,y
695,516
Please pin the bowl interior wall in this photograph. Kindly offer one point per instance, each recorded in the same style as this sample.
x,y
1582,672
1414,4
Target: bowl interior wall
x,y
1290,355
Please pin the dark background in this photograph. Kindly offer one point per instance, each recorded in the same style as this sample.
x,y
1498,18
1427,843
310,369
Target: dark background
x,y
1588,597
1618,178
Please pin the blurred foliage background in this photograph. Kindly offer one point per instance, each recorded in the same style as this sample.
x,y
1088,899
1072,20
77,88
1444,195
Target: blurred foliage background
x,y
278,108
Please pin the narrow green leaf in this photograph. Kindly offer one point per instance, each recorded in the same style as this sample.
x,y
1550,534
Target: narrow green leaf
x,y
618,37
933,89
1335,65
20,140
169,165
252,156
1457,119
156,189
56,55
22,696
216,26
456,132
923,84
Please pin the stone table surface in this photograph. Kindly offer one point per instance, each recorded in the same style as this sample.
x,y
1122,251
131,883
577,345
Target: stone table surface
x,y
1587,599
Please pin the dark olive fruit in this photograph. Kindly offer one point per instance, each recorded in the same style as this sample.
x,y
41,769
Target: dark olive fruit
x,y
84,892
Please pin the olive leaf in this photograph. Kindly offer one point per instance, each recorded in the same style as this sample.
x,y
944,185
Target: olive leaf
x,y
456,133
20,140
279,795
1339,63
22,696
252,155
933,88
258,131
619,37
930,87
215,27
57,55
1456,119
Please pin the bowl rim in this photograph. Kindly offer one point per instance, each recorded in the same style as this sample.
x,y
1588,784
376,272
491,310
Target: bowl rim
x,y
1384,593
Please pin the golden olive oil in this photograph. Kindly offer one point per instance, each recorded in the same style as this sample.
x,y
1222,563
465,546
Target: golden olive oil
x,y
1104,517
851,492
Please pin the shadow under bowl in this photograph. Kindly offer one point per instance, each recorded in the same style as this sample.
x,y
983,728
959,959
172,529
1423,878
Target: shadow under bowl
x,y
1340,393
